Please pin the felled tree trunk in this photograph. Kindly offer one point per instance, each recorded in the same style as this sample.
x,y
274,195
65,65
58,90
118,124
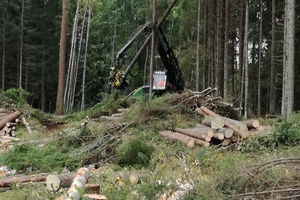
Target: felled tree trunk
x,y
77,186
8,181
239,124
193,134
9,118
183,138
228,132
200,112
219,136
204,130
54,182
252,123
215,123
244,134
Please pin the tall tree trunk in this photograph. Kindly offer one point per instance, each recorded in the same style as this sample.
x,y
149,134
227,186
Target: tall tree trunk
x,y
272,105
152,47
85,55
213,20
289,53
221,45
259,60
217,45
241,51
246,60
205,56
4,46
112,60
43,99
71,82
78,59
62,60
234,64
21,45
198,47
226,32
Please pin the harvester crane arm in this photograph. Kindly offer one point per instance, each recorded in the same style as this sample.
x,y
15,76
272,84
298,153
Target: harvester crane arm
x,y
117,77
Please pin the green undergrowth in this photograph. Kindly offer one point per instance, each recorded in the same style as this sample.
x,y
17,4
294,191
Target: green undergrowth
x,y
14,98
214,172
31,157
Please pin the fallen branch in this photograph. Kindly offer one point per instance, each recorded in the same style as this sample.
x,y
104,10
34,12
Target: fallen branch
x,y
26,125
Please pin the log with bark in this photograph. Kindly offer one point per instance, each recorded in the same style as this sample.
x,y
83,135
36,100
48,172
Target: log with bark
x,y
243,134
228,132
202,129
183,138
226,142
9,118
214,123
77,185
54,182
200,112
252,123
8,181
194,134
219,136
239,124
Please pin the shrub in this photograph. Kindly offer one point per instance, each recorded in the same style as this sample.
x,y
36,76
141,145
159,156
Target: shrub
x,y
134,152
288,132
16,95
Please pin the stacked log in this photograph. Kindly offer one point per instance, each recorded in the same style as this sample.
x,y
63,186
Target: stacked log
x,y
216,129
9,123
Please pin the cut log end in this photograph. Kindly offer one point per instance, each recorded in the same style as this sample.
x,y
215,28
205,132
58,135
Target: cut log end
x,y
191,143
133,178
52,183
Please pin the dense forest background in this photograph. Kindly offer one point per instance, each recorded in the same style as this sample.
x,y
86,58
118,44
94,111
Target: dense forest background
x,y
209,38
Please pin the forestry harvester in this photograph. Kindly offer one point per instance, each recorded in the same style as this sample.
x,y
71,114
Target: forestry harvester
x,y
168,79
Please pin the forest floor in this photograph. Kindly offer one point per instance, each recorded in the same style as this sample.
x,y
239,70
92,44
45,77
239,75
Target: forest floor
x,y
128,158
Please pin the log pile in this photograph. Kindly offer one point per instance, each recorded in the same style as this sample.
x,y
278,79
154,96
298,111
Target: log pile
x,y
216,129
9,123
